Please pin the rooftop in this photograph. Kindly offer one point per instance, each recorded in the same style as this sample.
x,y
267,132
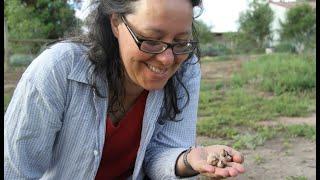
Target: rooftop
x,y
290,4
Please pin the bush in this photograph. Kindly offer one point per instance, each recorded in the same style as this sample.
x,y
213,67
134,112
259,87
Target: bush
x,y
284,47
299,27
210,49
21,48
245,45
21,59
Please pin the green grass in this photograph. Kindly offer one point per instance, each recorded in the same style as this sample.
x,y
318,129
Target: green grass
x,y
287,144
6,99
237,107
293,104
207,99
223,58
279,73
232,108
301,130
206,59
296,178
251,140
258,159
248,141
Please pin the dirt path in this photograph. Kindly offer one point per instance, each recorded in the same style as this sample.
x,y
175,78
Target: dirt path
x,y
311,120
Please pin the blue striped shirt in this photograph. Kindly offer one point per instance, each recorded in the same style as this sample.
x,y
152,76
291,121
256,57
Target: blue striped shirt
x,y
54,126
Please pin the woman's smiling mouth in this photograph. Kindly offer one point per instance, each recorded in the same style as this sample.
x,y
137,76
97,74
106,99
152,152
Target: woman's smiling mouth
x,y
156,69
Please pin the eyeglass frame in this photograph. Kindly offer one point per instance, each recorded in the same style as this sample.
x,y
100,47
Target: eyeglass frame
x,y
139,41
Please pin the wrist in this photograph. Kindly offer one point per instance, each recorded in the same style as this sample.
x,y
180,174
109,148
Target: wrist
x,y
184,167
185,159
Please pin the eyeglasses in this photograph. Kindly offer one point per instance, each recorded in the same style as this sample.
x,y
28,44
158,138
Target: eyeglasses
x,y
157,46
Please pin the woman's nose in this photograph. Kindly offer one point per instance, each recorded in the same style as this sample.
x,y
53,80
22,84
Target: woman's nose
x,y
166,57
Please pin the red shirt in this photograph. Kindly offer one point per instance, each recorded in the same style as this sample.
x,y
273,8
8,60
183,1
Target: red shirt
x,y
122,143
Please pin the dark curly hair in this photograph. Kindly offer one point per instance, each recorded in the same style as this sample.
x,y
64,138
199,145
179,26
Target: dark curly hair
x,y
104,55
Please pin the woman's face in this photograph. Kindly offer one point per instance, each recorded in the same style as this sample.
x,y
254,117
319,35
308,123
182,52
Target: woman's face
x,y
165,20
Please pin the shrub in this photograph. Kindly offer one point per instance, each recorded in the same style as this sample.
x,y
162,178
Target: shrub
x,y
284,47
21,59
211,49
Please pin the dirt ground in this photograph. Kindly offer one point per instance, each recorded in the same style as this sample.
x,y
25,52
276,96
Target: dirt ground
x,y
11,78
277,159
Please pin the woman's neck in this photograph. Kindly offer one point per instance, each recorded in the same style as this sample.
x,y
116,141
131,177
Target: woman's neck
x,y
132,90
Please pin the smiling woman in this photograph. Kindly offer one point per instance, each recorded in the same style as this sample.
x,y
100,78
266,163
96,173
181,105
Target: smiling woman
x,y
120,102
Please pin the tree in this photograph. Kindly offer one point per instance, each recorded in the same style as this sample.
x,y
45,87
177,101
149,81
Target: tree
x,y
6,58
39,18
205,35
299,27
255,24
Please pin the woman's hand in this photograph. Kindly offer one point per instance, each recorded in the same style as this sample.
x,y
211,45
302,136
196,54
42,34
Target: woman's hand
x,y
197,158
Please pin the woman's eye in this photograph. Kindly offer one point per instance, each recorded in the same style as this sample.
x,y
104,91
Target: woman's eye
x,y
148,37
152,43
182,40
183,43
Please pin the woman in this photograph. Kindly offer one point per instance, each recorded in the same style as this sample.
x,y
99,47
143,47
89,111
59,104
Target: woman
x,y
120,103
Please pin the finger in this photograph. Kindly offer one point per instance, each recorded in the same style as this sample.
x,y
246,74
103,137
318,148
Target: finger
x,y
232,171
222,172
217,173
237,166
236,155
212,176
239,158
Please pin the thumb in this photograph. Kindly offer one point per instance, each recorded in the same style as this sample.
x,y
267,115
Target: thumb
x,y
238,158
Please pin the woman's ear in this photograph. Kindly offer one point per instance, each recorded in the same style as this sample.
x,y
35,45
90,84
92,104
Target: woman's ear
x,y
114,21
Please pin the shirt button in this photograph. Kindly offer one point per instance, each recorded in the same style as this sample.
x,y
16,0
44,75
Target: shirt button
x,y
96,153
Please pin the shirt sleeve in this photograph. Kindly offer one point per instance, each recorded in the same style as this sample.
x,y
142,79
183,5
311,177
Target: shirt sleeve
x,y
172,138
34,117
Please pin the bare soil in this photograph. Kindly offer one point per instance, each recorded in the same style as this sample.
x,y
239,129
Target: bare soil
x,y
11,78
277,159
311,120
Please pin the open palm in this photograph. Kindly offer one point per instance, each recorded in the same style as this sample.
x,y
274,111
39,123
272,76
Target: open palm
x,y
198,160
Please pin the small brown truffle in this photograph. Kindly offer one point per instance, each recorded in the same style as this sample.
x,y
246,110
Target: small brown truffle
x,y
219,160
213,159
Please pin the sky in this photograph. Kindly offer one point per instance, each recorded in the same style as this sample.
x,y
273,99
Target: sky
x,y
220,15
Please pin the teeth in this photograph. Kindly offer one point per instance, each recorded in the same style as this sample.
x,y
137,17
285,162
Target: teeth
x,y
154,69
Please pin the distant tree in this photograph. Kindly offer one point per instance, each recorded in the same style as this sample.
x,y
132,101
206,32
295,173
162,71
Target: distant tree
x,y
232,39
205,35
306,0
39,18
255,24
300,27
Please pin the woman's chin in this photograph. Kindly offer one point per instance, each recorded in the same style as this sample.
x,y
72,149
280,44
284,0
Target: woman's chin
x,y
154,86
